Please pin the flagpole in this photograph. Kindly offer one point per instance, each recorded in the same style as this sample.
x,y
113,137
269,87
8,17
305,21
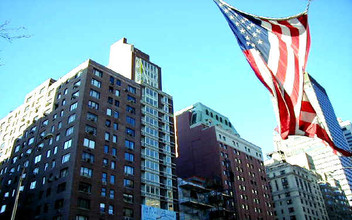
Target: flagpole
x,y
308,4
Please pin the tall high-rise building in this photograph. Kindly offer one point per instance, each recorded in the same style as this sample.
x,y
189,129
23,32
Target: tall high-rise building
x,y
325,161
37,103
159,181
209,147
83,153
346,127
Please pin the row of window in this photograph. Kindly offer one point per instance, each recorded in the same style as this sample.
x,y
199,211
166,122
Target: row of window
x,y
88,172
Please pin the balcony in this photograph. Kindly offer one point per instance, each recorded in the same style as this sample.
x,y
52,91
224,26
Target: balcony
x,y
195,203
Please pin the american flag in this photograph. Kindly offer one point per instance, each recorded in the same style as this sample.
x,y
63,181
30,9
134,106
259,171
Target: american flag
x,y
277,50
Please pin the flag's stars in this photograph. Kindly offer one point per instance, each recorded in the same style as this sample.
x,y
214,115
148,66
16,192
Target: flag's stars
x,y
255,34
247,37
242,30
237,23
248,43
243,21
232,17
249,27
259,41
226,10
251,24
258,31
252,44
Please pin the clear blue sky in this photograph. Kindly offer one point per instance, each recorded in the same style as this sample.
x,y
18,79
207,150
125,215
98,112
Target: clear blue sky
x,y
190,40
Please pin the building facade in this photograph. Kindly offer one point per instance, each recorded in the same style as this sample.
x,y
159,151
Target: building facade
x,y
159,181
37,103
295,191
101,146
335,200
210,147
200,199
346,127
325,161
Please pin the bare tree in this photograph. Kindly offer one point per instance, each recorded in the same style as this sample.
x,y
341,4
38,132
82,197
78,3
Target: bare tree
x,y
9,33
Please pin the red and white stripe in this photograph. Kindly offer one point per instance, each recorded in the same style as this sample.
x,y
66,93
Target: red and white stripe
x,y
283,73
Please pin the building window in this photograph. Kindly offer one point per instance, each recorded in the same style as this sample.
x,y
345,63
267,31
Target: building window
x,y
92,117
94,94
45,123
98,73
129,144
72,118
107,136
3,209
130,120
130,109
63,172
114,151
37,159
86,172
131,99
129,170
107,123
130,132
102,207
128,183
108,112
61,187
73,106
84,187
81,217
113,165
89,143
105,162
103,192
112,80
127,212
93,105
65,158
104,178
75,95
112,179
111,194
83,203
91,130
116,126
128,198
69,131
131,89
88,157
117,92
114,138
30,141
68,144
110,100
111,210
118,82
96,83
33,184
106,149
129,157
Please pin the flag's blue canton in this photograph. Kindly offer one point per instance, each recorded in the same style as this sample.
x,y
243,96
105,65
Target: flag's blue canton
x,y
248,31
